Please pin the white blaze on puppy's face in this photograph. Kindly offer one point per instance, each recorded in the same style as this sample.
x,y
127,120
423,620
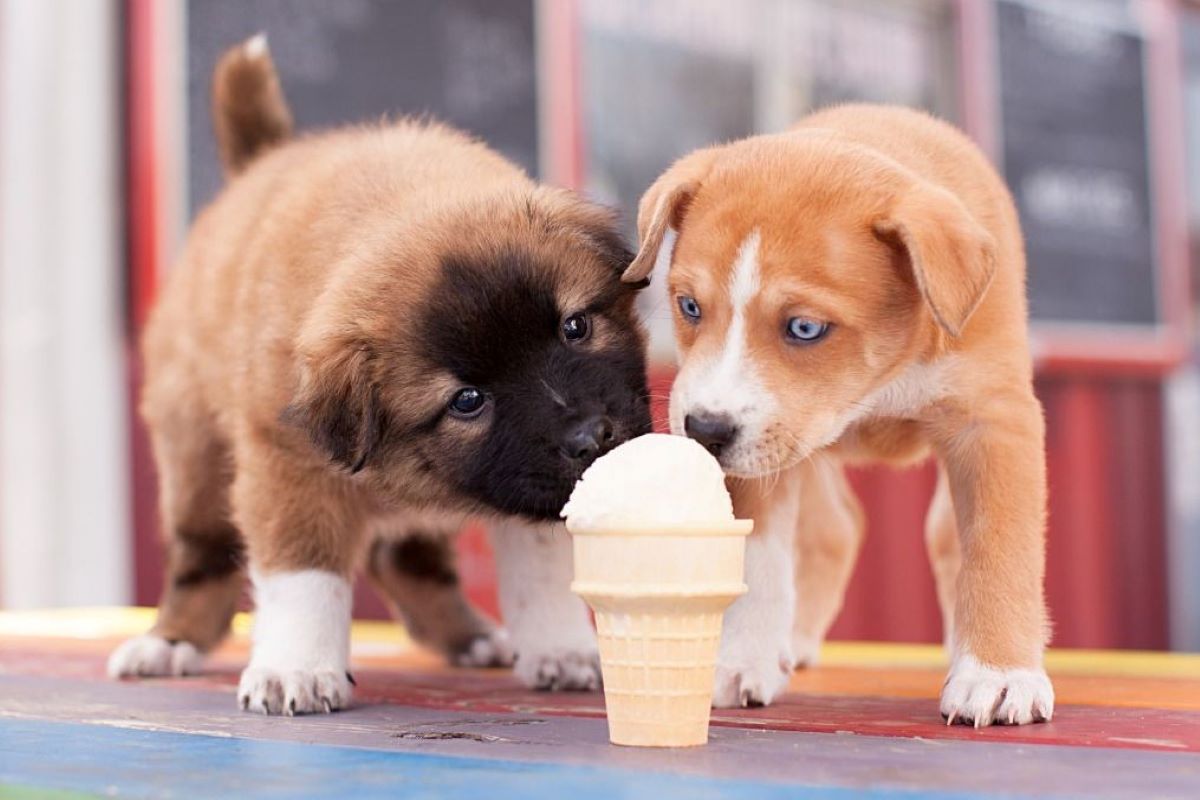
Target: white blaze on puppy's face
x,y
725,381
662,261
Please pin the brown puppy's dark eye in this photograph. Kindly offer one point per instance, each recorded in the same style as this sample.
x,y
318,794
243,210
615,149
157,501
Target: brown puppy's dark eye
x,y
468,403
576,327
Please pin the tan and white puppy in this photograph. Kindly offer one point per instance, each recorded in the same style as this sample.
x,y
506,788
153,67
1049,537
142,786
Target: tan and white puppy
x,y
371,329
854,289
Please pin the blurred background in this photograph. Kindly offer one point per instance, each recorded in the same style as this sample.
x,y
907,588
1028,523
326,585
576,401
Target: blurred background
x,y
1090,108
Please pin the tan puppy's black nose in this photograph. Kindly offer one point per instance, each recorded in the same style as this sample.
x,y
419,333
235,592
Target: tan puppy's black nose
x,y
714,431
586,440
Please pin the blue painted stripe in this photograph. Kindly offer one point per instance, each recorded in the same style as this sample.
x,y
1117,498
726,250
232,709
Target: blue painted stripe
x,y
119,762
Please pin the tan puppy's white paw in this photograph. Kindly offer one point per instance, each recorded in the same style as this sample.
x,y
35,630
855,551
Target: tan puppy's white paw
x,y
559,670
978,695
491,649
752,684
150,655
291,692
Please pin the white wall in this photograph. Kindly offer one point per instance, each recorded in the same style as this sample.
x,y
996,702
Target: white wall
x,y
64,495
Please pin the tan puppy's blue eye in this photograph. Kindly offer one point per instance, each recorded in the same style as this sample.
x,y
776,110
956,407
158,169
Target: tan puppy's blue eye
x,y
689,308
576,327
468,403
803,329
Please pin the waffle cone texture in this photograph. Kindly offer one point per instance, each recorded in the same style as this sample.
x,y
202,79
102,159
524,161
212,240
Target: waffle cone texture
x,y
659,597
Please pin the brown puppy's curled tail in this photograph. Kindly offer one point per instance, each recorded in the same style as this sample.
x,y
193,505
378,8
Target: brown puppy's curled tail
x,y
250,114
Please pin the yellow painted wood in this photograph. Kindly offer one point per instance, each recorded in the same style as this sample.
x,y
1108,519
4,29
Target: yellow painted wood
x,y
383,638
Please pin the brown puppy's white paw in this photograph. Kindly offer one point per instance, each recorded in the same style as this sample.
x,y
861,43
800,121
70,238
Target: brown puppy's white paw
x,y
150,655
560,670
979,695
301,644
750,685
491,649
291,692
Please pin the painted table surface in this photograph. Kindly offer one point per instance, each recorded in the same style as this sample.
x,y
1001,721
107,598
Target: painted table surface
x,y
864,723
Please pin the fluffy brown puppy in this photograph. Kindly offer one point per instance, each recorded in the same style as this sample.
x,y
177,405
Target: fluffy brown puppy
x,y
364,325
855,289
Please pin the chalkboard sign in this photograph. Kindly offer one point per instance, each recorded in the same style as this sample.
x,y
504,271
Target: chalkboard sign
x,y
1076,155
467,62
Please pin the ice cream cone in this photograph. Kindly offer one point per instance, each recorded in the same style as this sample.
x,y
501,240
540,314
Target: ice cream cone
x,y
659,595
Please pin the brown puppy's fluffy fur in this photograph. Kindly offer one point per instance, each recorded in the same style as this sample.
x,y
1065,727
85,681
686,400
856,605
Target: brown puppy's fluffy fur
x,y
292,394
892,227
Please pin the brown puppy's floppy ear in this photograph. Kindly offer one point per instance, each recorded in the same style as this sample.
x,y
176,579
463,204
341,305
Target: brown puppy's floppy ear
x,y
663,207
338,406
953,257
599,230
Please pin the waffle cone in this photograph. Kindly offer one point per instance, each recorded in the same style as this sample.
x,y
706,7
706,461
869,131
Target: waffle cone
x,y
659,598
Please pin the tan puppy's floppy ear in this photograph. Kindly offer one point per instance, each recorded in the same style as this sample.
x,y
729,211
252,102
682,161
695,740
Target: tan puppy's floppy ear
x,y
338,407
953,257
663,207
653,229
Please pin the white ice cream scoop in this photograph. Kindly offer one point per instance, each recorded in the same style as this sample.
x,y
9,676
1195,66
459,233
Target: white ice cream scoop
x,y
651,481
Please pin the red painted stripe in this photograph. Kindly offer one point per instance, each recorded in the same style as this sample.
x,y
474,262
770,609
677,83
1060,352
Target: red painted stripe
x,y
1139,514
1082,538
142,155
143,222
561,44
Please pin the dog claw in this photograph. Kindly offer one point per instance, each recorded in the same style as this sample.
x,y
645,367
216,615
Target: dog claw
x,y
293,693
749,700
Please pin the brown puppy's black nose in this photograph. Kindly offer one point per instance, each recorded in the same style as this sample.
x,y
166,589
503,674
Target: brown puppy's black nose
x,y
714,431
585,441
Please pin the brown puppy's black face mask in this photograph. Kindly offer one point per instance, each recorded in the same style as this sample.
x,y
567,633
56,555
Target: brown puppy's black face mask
x,y
550,378
521,362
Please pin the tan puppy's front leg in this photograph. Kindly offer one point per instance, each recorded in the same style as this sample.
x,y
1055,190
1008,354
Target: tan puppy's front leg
x,y
995,464
755,660
303,533
828,535
945,551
